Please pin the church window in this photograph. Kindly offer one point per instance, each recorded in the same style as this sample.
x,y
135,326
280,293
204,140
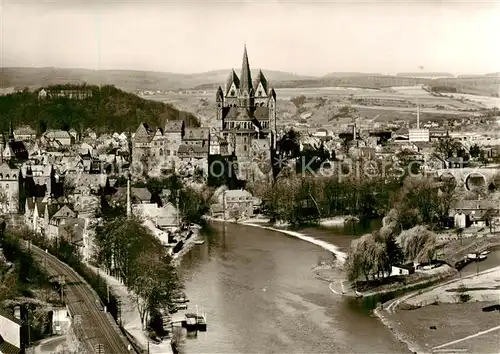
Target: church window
x,y
262,104
245,140
244,147
260,93
232,92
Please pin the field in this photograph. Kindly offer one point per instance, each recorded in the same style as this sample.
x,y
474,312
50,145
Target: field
x,y
325,107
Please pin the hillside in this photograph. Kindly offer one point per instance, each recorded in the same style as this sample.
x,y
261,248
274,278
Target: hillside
x,y
128,80
107,109
131,81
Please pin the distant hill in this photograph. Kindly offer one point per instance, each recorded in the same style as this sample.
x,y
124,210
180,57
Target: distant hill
x,y
426,74
131,81
128,80
106,109
350,74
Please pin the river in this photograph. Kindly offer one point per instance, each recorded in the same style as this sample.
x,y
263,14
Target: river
x,y
260,296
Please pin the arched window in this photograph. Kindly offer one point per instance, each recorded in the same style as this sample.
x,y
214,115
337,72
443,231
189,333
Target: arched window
x,y
262,104
161,152
232,92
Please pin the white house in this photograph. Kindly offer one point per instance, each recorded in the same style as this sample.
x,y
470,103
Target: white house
x,y
10,332
402,269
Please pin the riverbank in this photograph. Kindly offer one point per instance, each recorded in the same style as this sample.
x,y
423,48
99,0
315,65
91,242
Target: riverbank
x,y
447,314
264,223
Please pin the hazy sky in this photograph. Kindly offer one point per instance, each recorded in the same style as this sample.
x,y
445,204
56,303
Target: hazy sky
x,y
297,36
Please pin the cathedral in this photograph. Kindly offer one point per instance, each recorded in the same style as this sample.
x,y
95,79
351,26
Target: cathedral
x,y
246,119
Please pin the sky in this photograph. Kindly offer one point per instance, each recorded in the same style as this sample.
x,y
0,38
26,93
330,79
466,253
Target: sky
x,y
308,38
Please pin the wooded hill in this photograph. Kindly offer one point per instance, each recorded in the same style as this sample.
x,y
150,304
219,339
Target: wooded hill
x,y
106,109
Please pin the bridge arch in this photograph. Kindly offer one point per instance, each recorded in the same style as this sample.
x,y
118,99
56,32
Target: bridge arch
x,y
475,180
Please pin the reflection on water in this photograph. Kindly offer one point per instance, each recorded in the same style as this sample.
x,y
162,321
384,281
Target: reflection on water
x,y
260,296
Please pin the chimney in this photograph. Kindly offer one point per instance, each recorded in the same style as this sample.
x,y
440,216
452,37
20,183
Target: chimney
x,y
129,203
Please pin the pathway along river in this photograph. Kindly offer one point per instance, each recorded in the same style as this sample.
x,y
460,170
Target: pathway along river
x,y
261,296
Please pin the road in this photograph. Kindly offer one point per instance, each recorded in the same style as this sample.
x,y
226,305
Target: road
x,y
92,325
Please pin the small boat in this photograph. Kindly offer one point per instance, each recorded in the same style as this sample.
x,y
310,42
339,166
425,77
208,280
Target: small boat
x,y
481,257
199,242
202,323
190,323
485,253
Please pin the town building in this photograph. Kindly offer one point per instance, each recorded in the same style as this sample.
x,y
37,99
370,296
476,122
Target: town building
x,y
61,136
38,179
77,93
237,204
24,133
170,146
12,149
9,188
418,135
246,111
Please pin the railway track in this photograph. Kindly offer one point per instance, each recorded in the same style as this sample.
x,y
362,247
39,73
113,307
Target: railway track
x,y
92,324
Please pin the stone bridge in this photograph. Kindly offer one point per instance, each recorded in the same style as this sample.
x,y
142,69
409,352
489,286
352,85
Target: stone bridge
x,y
469,177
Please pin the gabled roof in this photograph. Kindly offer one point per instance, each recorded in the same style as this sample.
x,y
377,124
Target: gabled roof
x,y
24,130
261,79
174,126
143,133
63,211
8,168
192,149
7,348
143,194
10,316
57,134
236,193
72,227
232,78
197,134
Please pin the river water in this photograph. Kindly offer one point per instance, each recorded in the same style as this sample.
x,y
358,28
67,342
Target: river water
x,y
260,296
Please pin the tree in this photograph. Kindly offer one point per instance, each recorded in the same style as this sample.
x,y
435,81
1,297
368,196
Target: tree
x,y
489,215
460,232
418,244
475,151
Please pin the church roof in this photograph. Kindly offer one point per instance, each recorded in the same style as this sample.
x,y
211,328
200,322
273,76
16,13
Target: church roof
x,y
236,113
261,79
232,78
246,75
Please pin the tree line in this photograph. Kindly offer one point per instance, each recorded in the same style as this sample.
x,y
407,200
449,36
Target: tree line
x,y
129,251
408,232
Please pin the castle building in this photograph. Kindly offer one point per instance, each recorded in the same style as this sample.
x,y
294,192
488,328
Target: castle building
x,y
246,118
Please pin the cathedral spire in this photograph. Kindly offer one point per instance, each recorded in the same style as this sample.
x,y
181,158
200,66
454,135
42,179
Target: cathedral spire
x,y
246,76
